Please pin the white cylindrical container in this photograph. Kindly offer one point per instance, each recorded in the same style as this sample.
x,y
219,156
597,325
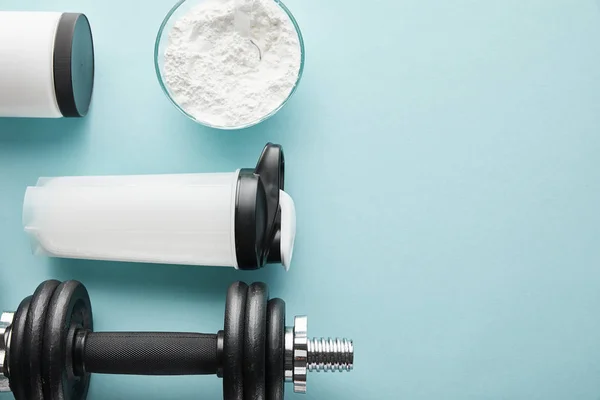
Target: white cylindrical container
x,y
242,219
183,219
46,64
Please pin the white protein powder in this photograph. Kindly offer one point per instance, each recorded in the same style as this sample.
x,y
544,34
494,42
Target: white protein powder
x,y
219,76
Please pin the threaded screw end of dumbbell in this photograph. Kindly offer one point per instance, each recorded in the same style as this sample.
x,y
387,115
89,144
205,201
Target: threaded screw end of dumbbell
x,y
330,354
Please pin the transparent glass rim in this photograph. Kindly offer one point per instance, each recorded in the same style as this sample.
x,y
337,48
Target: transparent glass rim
x,y
165,90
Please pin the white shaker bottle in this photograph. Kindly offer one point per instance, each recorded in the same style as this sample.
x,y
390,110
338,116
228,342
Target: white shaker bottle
x,y
241,219
46,64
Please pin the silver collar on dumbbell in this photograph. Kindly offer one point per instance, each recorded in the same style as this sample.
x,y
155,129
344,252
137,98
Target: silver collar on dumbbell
x,y
6,320
303,354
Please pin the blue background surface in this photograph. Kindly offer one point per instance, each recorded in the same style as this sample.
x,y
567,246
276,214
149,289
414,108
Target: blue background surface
x,y
444,160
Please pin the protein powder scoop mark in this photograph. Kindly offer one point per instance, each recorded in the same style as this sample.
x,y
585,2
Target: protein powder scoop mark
x,y
229,64
242,219
242,20
46,64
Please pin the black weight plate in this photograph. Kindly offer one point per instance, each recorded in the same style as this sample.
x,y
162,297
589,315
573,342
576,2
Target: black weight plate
x,y
233,344
255,341
275,349
68,311
33,337
18,381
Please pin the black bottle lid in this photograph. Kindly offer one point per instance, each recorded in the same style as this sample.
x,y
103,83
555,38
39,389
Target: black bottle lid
x,y
73,65
258,211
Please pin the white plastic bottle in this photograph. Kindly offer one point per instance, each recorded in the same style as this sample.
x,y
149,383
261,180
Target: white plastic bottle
x,y
241,219
46,64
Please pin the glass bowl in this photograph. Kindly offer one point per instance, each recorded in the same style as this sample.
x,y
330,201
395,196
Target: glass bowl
x,y
162,41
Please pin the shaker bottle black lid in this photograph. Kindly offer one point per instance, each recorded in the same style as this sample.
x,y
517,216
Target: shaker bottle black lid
x,y
258,211
73,65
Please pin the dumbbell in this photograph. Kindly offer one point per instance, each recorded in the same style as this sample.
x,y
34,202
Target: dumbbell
x,y
50,350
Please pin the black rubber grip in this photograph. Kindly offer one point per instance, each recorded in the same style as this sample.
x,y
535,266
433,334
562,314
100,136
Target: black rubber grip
x,y
150,353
